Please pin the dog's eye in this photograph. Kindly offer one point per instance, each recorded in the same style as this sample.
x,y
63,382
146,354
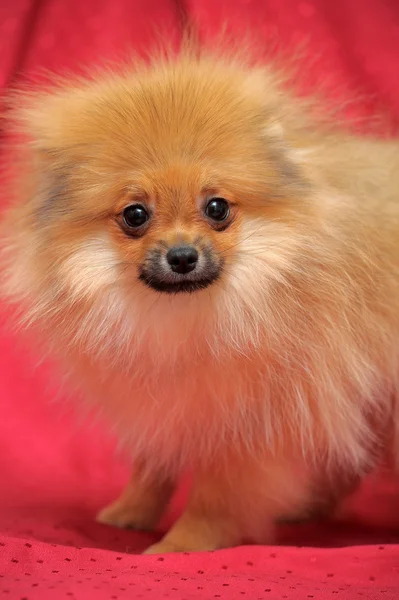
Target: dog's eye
x,y
217,209
135,216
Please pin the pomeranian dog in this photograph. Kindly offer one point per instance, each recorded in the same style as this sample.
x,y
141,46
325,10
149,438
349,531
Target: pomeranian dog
x,y
218,266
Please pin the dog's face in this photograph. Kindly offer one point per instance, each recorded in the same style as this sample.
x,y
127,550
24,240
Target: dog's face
x,y
174,179
176,230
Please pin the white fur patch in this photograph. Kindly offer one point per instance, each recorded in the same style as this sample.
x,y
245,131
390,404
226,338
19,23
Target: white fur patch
x,y
91,268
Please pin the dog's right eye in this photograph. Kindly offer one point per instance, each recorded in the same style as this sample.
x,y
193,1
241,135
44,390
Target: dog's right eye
x,y
135,216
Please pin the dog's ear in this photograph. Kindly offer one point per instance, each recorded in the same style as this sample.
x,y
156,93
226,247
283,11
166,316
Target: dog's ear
x,y
53,130
44,152
286,125
51,120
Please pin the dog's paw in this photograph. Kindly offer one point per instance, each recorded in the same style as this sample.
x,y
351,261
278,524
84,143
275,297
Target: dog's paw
x,y
124,516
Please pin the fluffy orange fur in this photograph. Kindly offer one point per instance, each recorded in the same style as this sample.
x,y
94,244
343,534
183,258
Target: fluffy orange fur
x,y
278,383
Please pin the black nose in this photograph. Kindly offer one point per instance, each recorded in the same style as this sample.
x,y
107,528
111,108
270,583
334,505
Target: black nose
x,y
182,259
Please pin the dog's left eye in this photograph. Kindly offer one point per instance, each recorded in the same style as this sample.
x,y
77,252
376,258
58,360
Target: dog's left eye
x,y
135,216
217,209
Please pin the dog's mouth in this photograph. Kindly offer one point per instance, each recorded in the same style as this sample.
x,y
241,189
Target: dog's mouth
x,y
179,286
183,269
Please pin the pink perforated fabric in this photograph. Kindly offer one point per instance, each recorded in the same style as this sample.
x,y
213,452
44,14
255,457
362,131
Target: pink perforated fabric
x,y
56,472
